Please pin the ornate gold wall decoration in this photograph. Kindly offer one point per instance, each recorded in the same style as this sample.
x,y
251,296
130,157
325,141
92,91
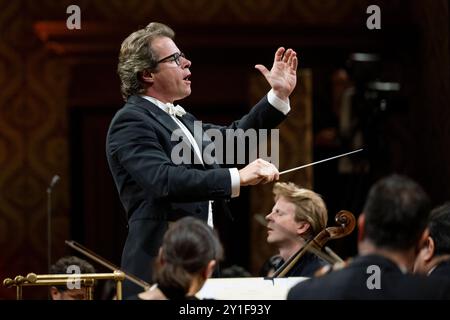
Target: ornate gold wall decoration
x,y
129,10
33,144
261,10
325,11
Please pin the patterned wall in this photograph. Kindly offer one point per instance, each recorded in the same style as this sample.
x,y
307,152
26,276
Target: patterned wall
x,y
33,145
295,12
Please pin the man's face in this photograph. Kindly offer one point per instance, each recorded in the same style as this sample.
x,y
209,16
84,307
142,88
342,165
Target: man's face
x,y
74,294
170,81
282,228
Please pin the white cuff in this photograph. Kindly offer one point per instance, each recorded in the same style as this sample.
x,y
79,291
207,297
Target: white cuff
x,y
235,182
277,103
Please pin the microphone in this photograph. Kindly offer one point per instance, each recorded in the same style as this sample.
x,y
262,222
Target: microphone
x,y
53,182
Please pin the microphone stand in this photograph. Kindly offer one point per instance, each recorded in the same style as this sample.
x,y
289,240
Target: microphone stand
x,y
55,179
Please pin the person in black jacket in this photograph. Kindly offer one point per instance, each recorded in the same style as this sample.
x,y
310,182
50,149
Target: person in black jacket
x,y
298,215
434,257
155,155
391,230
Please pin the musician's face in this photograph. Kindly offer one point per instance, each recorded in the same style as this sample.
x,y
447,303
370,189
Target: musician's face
x,y
170,81
282,229
74,294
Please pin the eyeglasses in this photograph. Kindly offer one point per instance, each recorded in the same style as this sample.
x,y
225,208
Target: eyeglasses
x,y
173,57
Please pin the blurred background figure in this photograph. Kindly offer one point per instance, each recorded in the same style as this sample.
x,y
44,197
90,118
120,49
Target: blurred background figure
x,y
367,109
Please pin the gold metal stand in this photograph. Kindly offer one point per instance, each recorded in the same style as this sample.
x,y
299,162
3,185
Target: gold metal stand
x,y
86,280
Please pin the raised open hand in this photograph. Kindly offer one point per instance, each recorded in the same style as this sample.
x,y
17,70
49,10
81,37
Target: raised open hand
x,y
283,75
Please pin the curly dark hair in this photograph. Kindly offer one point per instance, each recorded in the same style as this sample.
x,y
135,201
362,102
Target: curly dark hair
x,y
188,246
61,267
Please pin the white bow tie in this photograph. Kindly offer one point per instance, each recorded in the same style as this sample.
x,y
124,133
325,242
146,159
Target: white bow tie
x,y
175,110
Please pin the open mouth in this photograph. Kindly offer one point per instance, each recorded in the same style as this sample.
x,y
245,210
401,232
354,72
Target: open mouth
x,y
187,77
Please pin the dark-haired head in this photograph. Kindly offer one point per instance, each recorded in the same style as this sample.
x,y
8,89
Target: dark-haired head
x,y
396,213
66,265
189,253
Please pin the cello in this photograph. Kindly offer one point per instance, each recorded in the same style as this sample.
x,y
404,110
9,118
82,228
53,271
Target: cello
x,y
346,224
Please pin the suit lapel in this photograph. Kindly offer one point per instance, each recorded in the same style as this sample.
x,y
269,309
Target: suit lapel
x,y
162,117
205,139
166,121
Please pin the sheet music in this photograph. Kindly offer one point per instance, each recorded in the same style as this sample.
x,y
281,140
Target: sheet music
x,y
248,288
